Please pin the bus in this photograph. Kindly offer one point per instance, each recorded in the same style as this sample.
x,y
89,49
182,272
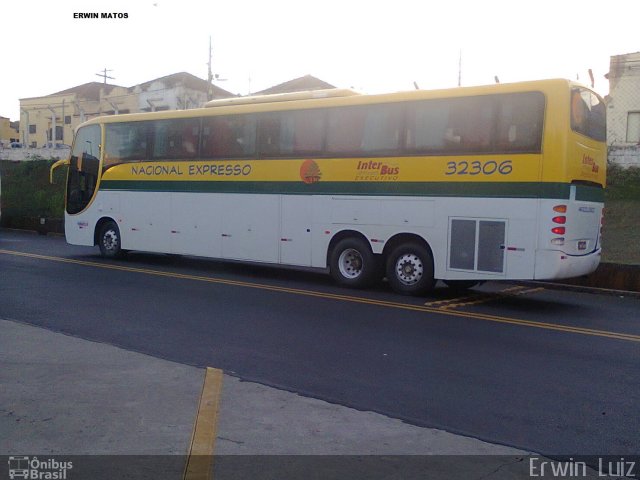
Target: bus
x,y
464,185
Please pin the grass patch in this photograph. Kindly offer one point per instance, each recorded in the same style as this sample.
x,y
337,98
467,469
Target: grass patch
x,y
26,192
621,230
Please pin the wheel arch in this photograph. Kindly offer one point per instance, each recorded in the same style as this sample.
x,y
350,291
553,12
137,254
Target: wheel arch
x,y
99,225
341,235
401,238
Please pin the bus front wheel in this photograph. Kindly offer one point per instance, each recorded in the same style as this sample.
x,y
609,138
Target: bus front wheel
x,y
109,240
410,269
353,264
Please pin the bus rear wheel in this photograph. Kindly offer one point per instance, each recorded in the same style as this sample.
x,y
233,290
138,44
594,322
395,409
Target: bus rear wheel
x,y
109,240
410,269
353,264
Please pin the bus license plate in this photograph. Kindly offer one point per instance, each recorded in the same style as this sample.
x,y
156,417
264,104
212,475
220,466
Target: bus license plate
x,y
582,245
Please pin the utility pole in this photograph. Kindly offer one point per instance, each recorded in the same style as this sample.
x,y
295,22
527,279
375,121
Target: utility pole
x,y
105,76
460,69
210,74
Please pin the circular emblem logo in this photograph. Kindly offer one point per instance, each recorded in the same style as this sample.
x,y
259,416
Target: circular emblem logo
x,y
310,172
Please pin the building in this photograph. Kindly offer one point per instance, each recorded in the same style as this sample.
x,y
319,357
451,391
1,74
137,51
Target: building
x,y
67,109
8,131
623,110
302,84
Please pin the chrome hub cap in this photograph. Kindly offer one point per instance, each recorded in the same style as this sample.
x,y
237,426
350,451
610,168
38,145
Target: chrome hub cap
x,y
110,240
350,263
409,269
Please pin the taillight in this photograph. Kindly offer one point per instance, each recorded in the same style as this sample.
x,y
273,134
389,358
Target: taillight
x,y
560,220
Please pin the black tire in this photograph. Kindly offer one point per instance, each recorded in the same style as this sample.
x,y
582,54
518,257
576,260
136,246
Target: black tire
x,y
353,264
110,241
461,285
410,269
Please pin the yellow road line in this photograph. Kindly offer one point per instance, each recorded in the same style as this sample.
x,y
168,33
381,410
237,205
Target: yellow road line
x,y
345,298
481,297
199,465
492,296
452,300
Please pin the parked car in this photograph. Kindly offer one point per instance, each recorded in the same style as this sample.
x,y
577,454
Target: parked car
x,y
55,145
15,145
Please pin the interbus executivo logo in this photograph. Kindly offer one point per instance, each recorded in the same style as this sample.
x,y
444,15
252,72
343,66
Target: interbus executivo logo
x,y
37,469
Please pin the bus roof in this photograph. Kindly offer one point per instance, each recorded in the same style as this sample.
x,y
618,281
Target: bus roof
x,y
282,97
331,98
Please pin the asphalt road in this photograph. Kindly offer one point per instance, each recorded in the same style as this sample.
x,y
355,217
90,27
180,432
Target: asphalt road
x,y
544,370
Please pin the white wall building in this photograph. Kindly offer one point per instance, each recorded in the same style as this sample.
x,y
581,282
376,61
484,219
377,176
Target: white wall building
x,y
623,110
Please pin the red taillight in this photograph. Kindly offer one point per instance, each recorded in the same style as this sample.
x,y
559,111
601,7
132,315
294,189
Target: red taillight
x,y
561,220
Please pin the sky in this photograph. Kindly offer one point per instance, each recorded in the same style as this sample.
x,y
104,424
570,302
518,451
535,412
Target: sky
x,y
371,46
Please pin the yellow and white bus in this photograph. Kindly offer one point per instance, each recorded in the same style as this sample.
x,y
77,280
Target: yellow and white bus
x,y
463,185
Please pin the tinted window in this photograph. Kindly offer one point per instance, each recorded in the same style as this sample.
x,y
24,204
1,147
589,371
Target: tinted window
x,y
497,123
588,114
520,121
364,130
228,137
175,139
291,133
460,125
125,142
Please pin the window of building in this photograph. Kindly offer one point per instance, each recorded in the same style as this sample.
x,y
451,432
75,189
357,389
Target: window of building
x,y
67,120
633,127
32,129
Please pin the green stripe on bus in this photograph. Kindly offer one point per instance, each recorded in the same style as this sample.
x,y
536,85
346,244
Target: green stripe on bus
x,y
586,193
428,189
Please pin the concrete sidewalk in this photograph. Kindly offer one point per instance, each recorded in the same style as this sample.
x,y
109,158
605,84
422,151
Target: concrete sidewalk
x,y
65,396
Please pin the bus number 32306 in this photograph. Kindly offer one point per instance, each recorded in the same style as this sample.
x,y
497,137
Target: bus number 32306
x,y
479,168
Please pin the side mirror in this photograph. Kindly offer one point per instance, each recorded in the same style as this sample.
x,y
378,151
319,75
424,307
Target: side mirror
x,y
59,163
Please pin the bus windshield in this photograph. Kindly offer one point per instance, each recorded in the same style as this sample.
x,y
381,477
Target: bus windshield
x,y
588,115
83,168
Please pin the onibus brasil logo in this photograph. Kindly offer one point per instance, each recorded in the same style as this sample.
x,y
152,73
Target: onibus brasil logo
x,y
34,468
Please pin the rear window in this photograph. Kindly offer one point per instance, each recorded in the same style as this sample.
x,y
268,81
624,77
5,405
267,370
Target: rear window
x,y
588,114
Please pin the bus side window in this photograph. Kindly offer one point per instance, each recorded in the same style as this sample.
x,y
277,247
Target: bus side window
x,y
231,136
427,127
382,129
308,132
471,125
175,139
520,121
364,130
345,130
125,142
269,133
